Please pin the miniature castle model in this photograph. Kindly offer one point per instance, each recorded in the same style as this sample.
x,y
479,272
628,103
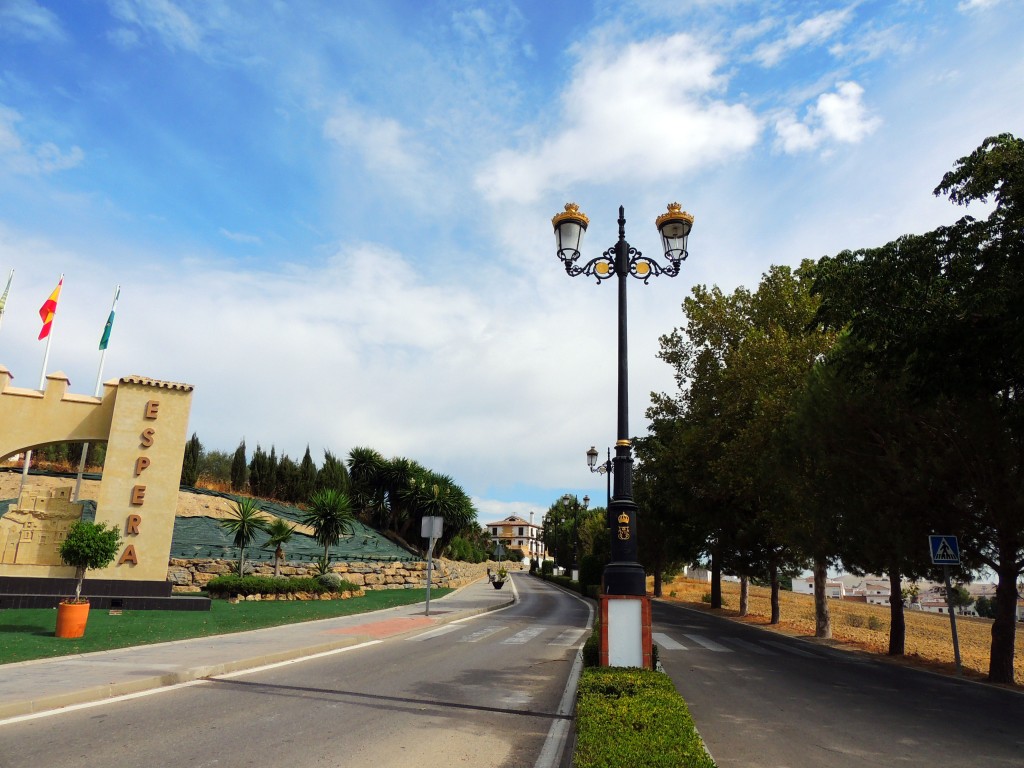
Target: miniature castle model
x,y
31,532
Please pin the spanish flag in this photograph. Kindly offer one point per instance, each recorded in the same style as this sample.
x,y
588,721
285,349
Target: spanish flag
x,y
49,309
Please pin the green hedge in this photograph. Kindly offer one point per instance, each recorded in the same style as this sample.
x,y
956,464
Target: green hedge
x,y
631,717
267,585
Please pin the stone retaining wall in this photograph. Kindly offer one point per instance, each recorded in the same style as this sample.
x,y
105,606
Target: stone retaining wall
x,y
192,575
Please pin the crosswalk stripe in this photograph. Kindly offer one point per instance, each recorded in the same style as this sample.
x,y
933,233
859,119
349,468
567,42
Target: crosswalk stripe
x,y
666,642
711,645
568,637
480,634
790,649
524,636
433,633
752,647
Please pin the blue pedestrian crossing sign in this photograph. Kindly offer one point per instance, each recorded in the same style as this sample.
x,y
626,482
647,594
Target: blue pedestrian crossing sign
x,y
945,550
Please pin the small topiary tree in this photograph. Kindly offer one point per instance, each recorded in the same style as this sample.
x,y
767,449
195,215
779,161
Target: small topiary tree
x,y
89,545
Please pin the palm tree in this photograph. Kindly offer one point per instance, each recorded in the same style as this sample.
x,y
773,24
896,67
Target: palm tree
x,y
246,522
280,533
330,516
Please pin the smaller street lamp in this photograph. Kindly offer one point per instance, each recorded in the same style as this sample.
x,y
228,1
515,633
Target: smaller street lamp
x,y
571,501
605,469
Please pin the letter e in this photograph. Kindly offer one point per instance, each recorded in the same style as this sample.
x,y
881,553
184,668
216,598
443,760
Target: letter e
x,y
138,495
151,409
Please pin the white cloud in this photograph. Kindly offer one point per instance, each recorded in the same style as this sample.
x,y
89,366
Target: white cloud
x,y
22,158
646,113
838,116
966,6
162,17
28,19
813,31
241,237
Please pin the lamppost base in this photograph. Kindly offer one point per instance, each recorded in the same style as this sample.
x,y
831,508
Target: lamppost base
x,y
626,631
625,579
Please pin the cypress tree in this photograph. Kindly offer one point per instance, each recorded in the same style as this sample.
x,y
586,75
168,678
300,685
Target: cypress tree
x,y
190,465
238,468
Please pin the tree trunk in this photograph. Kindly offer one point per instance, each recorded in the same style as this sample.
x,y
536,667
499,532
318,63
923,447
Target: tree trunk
x,y
822,619
278,557
1000,664
716,579
897,621
744,594
776,612
657,582
79,578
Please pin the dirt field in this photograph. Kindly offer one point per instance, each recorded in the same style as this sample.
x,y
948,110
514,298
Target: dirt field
x,y
863,627
189,504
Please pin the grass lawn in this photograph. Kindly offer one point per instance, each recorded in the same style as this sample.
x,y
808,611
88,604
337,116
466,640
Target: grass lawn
x,y
27,633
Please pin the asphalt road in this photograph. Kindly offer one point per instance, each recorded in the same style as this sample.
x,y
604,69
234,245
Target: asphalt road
x,y
485,692
765,700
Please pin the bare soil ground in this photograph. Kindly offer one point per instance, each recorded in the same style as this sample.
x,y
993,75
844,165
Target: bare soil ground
x,y
189,504
862,627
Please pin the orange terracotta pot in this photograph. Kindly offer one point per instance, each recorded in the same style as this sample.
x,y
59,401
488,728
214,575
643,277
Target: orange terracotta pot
x,y
71,618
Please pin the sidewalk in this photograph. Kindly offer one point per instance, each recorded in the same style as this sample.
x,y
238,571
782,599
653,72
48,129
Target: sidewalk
x,y
37,686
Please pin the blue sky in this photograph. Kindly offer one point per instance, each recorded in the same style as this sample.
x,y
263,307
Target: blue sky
x,y
333,219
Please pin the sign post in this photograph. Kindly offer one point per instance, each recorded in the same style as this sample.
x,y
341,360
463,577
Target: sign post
x,y
946,552
431,529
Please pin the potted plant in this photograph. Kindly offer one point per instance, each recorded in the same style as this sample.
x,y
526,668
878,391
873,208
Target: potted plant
x,y
88,545
499,580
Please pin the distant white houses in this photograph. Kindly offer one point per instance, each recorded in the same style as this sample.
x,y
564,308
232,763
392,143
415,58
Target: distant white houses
x,y
515,532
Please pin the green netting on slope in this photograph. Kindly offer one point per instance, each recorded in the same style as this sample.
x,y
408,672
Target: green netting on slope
x,y
194,537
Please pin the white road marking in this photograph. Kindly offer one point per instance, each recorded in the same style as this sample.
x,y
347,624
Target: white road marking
x,y
569,637
791,649
710,645
444,630
480,634
752,647
524,636
666,642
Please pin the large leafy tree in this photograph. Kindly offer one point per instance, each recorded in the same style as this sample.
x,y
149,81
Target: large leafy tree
x,y
937,317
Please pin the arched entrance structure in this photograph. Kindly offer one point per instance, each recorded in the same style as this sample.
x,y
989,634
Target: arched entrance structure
x,y
144,423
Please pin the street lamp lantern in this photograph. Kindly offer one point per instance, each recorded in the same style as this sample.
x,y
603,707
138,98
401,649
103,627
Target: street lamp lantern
x,y
674,227
623,576
569,228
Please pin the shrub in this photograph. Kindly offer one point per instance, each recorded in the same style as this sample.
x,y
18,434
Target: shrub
x,y
592,648
634,717
854,620
330,581
224,586
547,568
591,569
875,623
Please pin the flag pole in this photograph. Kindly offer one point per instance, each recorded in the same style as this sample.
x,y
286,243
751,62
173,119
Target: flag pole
x,y
42,374
96,390
3,297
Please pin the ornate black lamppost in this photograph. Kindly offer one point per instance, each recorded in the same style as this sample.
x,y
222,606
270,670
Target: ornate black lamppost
x,y
623,575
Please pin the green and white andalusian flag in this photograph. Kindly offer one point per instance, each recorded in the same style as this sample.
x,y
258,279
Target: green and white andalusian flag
x,y
105,339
